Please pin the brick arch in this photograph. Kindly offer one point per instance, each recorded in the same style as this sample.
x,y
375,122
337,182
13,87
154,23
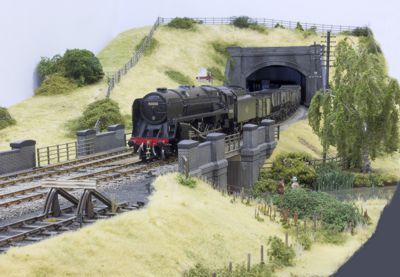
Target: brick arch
x,y
262,65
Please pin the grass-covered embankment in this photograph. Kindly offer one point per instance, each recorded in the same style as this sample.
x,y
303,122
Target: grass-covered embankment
x,y
180,227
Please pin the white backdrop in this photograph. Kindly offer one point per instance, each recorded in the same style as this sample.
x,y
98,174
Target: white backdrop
x,y
31,29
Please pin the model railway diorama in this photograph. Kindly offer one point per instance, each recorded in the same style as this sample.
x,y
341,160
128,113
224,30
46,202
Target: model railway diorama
x,y
163,118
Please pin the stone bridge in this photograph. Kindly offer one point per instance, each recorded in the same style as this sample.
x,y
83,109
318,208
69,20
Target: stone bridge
x,y
230,162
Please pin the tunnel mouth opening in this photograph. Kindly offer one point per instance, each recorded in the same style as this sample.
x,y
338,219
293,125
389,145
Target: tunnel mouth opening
x,y
275,76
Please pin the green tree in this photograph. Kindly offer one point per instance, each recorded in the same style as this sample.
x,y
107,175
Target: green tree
x,y
360,114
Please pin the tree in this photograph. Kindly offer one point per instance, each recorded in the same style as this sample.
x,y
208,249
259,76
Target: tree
x,y
360,114
82,65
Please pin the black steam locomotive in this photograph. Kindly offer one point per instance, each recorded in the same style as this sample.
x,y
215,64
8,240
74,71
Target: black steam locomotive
x,y
163,118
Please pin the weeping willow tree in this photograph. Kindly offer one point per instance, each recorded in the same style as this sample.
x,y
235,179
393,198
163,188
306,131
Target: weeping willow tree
x,y
360,114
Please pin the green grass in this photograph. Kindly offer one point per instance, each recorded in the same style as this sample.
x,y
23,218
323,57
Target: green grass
x,y
179,77
151,46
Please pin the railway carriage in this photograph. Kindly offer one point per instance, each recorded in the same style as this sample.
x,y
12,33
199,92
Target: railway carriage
x,y
163,118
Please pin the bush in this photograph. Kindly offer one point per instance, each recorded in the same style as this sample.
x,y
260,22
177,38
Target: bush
x,y
216,73
182,23
187,182
151,46
305,240
287,165
310,32
106,110
55,84
280,254
179,77
362,32
242,22
259,28
368,180
335,215
264,184
83,66
279,26
331,177
47,66
5,118
299,27
371,45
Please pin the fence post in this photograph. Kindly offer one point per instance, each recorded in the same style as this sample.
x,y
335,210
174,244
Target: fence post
x,y
230,267
58,153
214,274
67,149
38,157
248,261
48,155
262,254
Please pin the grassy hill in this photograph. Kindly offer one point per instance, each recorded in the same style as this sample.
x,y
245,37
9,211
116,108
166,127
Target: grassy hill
x,y
43,117
180,227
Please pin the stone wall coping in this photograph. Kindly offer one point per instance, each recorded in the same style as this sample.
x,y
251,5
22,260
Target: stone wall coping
x,y
249,127
115,127
267,122
215,136
86,132
188,144
22,143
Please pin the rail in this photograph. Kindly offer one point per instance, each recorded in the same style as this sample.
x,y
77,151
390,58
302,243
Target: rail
x,y
270,23
232,143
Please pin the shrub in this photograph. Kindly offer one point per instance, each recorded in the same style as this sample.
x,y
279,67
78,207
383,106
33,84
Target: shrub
x,y
299,27
331,177
280,254
182,23
106,110
179,77
5,118
371,45
82,65
259,28
279,26
305,240
368,180
55,84
361,32
310,32
49,66
287,165
242,22
264,184
187,182
151,46
335,215
216,73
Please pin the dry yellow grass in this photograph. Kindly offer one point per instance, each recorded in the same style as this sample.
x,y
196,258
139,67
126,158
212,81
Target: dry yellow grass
x,y
180,227
43,118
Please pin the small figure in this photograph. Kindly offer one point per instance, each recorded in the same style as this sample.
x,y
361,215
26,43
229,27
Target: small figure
x,y
281,187
295,185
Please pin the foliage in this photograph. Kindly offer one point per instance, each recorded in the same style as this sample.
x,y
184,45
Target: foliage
x,y
182,23
49,66
187,182
151,46
106,110
179,77
264,184
370,44
361,32
312,31
359,116
245,22
305,240
368,180
334,214
331,177
287,165
258,270
280,26
5,118
259,28
221,52
55,84
82,65
280,254
299,27
216,73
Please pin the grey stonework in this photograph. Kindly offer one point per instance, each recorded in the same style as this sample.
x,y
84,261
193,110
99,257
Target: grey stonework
x,y
22,156
207,160
88,142
307,60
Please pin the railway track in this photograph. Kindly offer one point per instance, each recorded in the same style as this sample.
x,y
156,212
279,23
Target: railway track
x,y
40,227
36,192
62,168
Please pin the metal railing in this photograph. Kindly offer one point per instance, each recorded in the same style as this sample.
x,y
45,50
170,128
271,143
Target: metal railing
x,y
116,77
277,132
56,153
232,143
85,147
270,23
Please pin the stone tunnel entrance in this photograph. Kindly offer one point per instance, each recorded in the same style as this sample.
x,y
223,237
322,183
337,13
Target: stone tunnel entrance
x,y
271,77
